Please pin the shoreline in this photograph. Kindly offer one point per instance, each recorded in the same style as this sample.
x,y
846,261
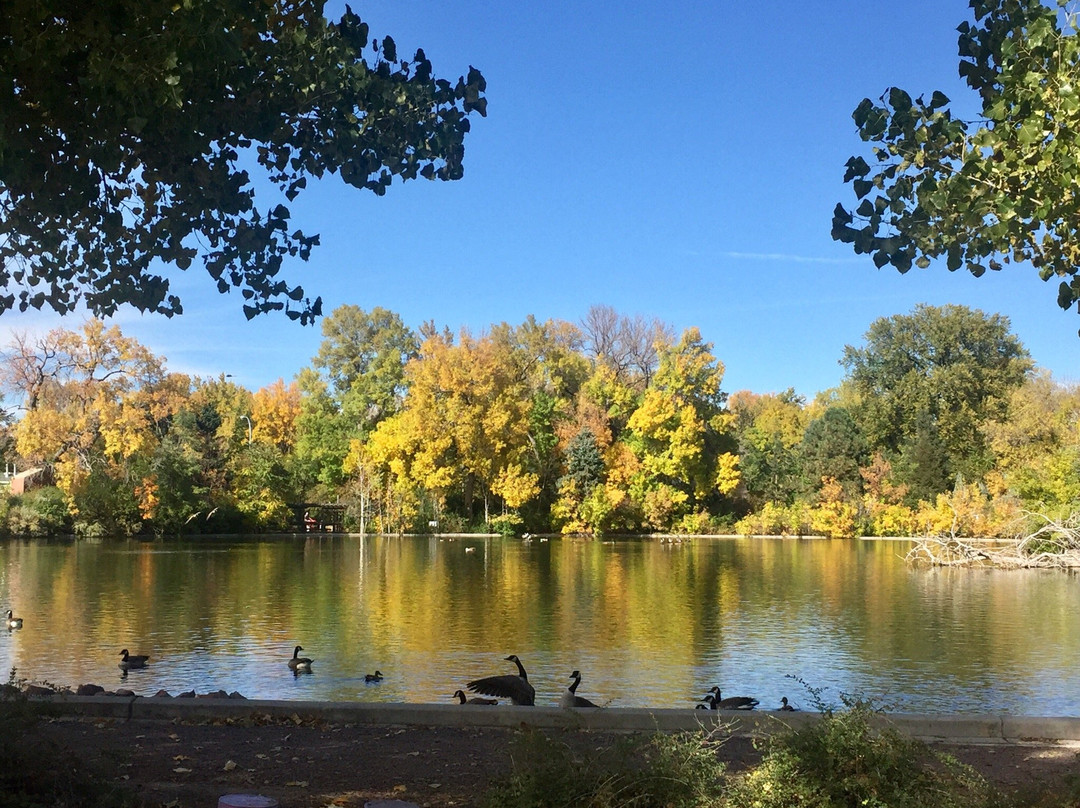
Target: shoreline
x,y
986,728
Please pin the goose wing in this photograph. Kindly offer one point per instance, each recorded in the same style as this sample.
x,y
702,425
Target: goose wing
x,y
509,686
737,703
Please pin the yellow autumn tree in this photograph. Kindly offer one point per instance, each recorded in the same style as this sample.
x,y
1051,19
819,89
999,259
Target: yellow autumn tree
x,y
274,410
678,433
464,423
834,515
98,402
1036,444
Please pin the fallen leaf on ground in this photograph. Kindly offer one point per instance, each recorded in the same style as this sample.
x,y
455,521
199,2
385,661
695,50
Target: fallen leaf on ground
x,y
297,783
181,770
230,765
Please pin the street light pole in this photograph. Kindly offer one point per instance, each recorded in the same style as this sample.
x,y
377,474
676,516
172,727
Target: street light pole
x,y
249,427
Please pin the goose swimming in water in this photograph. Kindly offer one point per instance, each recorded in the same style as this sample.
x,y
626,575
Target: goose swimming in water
x,y
516,688
460,696
299,664
731,703
784,706
13,622
570,698
373,677
131,661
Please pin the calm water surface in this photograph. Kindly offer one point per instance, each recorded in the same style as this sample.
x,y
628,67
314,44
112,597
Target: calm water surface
x,y
648,624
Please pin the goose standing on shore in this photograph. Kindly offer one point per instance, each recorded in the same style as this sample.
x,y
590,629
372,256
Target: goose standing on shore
x,y
299,664
460,696
516,688
132,661
12,621
570,698
716,702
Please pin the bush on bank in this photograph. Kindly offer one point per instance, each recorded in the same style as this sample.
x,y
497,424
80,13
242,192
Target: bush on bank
x,y
842,761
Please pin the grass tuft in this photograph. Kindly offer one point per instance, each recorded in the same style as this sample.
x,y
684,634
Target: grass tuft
x,y
654,771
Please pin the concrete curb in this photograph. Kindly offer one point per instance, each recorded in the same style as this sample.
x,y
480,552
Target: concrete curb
x,y
956,728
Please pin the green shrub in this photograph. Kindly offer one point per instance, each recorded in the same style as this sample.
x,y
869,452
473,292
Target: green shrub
x,y
36,772
654,771
505,524
845,761
41,512
105,507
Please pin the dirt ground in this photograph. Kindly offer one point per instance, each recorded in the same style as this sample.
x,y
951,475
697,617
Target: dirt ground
x,y
309,765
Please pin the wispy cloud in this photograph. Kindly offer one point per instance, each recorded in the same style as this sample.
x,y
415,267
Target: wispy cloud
x,y
797,259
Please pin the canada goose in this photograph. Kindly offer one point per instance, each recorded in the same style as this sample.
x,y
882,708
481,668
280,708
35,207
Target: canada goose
x,y
373,677
570,698
460,696
784,706
299,663
730,703
516,688
130,661
13,622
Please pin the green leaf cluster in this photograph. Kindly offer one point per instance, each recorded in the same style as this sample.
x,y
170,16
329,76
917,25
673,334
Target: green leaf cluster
x,y
987,192
128,131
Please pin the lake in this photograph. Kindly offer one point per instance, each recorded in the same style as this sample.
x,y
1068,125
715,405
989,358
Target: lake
x,y
648,623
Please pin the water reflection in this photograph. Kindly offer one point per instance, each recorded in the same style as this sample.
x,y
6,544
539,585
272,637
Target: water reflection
x,y
647,623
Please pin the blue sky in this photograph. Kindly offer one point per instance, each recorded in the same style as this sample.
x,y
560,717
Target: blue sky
x,y
673,159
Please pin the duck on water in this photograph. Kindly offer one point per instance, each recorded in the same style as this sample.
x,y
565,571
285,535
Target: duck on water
x,y
717,702
299,664
132,661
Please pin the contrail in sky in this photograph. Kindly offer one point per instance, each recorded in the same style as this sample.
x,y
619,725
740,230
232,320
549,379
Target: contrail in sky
x,y
801,259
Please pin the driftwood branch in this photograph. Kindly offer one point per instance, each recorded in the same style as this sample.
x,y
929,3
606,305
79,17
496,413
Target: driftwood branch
x,y
1054,544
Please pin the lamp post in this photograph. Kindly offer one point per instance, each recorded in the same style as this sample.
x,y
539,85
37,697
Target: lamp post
x,y
249,427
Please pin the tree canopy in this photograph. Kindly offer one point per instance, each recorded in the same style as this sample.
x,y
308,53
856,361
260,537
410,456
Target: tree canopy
x,y
982,193
128,129
939,426
929,379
